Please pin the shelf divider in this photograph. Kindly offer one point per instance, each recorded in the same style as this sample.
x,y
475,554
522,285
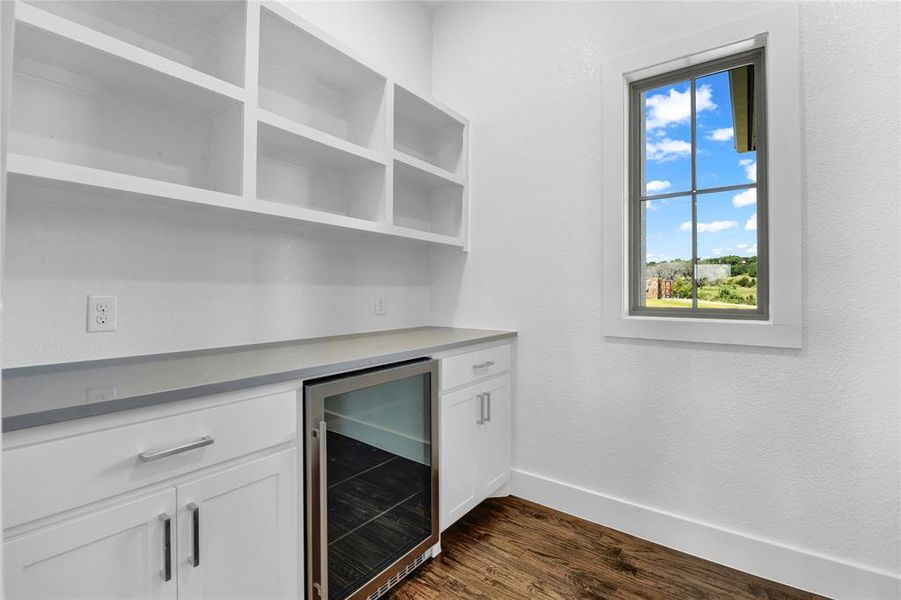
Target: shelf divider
x,y
429,168
326,139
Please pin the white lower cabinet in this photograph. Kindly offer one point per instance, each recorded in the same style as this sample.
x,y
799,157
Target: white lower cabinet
x,y
493,461
459,451
117,552
236,532
203,529
475,446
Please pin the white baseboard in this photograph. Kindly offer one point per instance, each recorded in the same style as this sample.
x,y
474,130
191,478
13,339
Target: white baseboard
x,y
771,560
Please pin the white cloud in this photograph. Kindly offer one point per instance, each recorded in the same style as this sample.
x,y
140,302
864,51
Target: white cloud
x,y
674,107
752,251
745,198
667,149
741,246
657,186
721,135
750,166
712,227
721,251
751,224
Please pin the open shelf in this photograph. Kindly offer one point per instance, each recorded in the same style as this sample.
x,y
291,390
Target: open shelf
x,y
427,132
77,103
309,81
300,171
40,180
422,166
426,202
205,35
150,107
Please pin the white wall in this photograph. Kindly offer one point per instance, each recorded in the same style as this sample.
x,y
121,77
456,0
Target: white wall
x,y
395,35
797,447
184,285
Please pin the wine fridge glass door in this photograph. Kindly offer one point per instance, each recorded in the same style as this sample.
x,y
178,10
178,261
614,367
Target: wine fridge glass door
x,y
372,497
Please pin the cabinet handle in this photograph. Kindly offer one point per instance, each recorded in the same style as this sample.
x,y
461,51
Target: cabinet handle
x,y
166,571
483,364
488,418
481,398
194,559
206,440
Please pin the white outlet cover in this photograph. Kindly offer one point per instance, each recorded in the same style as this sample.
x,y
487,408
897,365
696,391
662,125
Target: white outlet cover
x,y
103,313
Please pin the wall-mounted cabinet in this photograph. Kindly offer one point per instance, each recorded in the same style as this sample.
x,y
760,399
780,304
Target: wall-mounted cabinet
x,y
238,108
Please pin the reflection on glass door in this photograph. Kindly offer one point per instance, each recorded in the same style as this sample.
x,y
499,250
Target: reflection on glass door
x,y
378,504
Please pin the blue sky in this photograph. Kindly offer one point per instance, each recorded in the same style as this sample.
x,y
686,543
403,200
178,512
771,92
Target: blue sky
x,y
727,221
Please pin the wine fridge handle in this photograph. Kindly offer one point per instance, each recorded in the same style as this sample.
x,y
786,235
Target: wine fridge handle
x,y
323,511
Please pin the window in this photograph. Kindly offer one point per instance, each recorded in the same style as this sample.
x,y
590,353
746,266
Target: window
x,y
777,319
697,191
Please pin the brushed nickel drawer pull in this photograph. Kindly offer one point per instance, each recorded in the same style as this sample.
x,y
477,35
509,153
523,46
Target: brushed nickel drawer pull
x,y
206,440
482,365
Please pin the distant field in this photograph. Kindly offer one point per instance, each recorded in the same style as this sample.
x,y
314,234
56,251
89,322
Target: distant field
x,y
686,303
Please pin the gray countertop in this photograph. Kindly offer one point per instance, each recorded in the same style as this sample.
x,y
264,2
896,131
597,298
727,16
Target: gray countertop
x,y
41,395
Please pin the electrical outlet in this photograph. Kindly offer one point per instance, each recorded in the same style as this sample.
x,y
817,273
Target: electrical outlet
x,y
102,314
381,305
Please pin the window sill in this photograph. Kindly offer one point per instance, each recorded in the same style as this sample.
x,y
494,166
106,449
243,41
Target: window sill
x,y
708,331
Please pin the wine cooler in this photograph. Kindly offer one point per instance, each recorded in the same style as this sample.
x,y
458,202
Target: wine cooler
x,y
371,478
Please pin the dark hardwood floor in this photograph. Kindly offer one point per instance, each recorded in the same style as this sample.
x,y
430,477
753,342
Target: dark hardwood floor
x,y
512,548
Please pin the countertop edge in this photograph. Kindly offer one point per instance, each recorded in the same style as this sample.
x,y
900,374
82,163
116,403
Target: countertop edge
x,y
69,413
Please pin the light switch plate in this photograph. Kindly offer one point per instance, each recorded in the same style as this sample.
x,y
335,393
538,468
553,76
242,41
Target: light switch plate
x,y
381,305
102,313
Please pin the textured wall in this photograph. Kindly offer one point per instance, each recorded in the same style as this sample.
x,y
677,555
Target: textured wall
x,y
394,35
184,285
798,447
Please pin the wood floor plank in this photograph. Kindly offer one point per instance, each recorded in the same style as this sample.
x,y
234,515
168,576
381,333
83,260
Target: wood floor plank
x,y
510,548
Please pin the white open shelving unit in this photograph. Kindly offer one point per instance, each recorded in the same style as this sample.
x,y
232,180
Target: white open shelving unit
x,y
227,109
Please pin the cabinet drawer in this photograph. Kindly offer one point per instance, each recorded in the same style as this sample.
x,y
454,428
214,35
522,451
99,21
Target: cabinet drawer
x,y
463,368
49,477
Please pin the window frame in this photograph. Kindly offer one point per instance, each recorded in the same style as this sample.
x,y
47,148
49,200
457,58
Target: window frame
x,y
776,29
692,73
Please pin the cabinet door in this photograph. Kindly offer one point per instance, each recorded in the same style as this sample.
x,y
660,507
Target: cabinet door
x,y
458,452
237,535
117,552
494,437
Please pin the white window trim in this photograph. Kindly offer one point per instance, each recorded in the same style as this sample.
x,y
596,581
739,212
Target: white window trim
x,y
777,31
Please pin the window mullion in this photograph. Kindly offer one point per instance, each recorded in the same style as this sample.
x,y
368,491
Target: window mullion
x,y
694,200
